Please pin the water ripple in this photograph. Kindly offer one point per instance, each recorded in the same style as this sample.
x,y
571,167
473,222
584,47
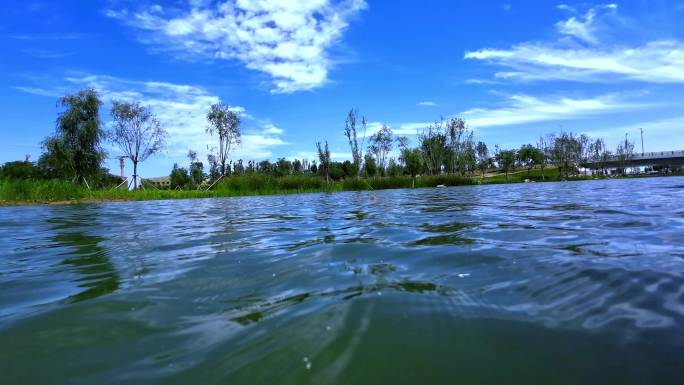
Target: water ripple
x,y
211,289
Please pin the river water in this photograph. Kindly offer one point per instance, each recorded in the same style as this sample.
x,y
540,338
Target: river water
x,y
558,283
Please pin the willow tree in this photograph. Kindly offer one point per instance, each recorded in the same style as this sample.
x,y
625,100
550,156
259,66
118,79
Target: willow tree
x,y
74,152
225,123
137,133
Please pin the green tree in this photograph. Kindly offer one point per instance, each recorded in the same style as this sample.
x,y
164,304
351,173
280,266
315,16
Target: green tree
x,y
529,156
297,166
370,167
506,160
433,146
179,178
348,169
393,168
20,170
214,168
239,168
599,154
75,152
583,151
565,153
196,170
283,167
324,160
136,132
483,159
380,145
413,162
224,122
352,137
624,153
265,167
542,154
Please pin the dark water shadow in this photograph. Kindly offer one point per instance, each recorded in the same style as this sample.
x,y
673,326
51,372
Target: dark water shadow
x,y
91,261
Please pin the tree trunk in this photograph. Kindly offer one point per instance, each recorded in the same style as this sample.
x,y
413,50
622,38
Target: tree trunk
x,y
413,181
135,175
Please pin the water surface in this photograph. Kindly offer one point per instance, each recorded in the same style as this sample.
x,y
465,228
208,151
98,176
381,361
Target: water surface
x,y
558,283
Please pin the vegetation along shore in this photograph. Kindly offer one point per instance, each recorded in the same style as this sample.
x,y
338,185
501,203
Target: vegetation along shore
x,y
446,154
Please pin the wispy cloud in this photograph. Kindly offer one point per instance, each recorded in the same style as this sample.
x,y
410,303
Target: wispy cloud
x,y
287,40
427,104
50,36
521,109
181,110
587,58
47,54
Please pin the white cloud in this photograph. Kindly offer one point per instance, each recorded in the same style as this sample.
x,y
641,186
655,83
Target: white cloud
x,y
53,93
181,109
410,128
270,128
47,54
427,104
50,36
657,61
521,109
565,7
581,28
287,40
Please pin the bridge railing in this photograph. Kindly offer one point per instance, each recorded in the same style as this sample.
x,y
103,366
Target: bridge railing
x,y
659,154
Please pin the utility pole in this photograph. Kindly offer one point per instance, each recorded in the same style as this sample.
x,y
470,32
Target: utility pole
x,y
642,141
121,165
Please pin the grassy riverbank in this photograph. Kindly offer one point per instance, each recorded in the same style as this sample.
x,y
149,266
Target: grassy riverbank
x,y
20,192
54,191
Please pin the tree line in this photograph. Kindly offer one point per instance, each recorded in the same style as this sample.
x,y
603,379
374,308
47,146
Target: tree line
x,y
447,146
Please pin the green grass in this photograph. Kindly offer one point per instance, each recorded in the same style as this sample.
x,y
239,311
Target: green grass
x,y
56,191
519,176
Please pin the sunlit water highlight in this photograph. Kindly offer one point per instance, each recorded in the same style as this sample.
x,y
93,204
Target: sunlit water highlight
x,y
559,283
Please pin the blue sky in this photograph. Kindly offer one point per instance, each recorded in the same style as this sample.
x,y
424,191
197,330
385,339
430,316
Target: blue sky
x,y
292,69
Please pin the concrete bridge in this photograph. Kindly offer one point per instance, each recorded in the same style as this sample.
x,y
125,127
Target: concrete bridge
x,y
669,159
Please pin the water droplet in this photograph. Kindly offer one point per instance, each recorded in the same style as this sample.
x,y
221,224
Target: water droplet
x,y
308,365
328,328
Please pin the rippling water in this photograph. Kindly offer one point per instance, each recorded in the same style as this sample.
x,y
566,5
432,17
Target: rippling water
x,y
573,283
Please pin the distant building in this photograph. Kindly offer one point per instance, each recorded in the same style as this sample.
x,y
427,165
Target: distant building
x,y
162,182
